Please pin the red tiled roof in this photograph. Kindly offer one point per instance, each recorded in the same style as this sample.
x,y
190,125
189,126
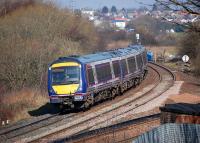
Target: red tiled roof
x,y
120,18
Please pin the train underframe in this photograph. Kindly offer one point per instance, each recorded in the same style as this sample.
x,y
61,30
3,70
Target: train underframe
x,y
101,95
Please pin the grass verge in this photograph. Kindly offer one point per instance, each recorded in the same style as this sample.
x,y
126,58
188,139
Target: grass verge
x,y
14,106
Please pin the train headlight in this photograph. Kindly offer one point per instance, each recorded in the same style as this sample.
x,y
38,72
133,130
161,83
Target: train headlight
x,y
78,98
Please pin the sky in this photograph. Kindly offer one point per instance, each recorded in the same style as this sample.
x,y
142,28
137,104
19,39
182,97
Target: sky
x,y
98,4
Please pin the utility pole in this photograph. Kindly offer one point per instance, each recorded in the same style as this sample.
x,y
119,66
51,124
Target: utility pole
x,y
72,5
138,39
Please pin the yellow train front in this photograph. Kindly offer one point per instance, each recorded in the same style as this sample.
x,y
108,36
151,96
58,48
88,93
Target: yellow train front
x,y
80,81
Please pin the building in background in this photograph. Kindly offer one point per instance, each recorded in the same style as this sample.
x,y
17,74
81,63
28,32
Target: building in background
x,y
119,23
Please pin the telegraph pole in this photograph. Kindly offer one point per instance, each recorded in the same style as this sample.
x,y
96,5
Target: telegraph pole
x,y
138,39
72,5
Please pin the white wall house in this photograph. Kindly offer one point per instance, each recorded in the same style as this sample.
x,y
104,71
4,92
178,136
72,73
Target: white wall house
x,y
88,12
119,23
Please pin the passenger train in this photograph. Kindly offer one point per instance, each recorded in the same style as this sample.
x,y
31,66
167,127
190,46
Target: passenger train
x,y
81,81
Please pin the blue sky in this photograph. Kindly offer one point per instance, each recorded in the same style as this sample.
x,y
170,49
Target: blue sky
x,y
98,4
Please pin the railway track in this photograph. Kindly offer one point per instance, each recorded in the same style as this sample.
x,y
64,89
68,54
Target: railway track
x,y
123,132
63,127
166,81
118,133
25,126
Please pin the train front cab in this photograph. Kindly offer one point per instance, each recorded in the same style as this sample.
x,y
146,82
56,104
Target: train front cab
x,y
66,84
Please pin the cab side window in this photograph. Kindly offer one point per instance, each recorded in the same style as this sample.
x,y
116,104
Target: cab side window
x,y
90,76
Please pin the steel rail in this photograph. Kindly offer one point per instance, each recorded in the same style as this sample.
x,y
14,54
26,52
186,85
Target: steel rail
x,y
19,130
111,128
83,122
4,132
89,119
87,133
95,116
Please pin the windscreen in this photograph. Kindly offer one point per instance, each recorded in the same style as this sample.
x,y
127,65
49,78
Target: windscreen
x,y
66,75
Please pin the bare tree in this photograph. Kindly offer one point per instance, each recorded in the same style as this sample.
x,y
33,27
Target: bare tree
x,y
189,6
189,43
7,6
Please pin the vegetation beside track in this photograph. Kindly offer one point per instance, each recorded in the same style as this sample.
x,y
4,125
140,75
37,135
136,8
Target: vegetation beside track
x,y
32,35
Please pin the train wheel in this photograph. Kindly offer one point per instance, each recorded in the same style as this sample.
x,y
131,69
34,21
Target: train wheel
x,y
145,74
135,82
113,93
139,81
91,100
126,86
130,84
121,90
117,91
86,106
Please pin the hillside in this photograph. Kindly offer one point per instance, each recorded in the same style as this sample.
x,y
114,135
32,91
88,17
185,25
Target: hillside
x,y
32,35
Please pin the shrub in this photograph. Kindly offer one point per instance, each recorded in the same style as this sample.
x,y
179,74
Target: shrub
x,y
33,36
7,6
119,35
190,45
14,106
153,31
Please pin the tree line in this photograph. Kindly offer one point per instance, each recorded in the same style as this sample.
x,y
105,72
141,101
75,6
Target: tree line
x,y
190,42
34,35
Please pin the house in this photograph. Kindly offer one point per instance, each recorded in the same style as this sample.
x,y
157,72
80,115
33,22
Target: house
x,y
88,12
119,22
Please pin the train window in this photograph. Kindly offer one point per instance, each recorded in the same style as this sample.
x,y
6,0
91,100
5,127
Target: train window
x,y
90,76
139,61
131,64
124,66
103,72
116,68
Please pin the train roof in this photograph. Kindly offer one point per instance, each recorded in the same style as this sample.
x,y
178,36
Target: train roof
x,y
111,54
131,49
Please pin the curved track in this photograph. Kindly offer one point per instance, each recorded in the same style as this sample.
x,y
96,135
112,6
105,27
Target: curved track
x,y
118,133
64,126
127,130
